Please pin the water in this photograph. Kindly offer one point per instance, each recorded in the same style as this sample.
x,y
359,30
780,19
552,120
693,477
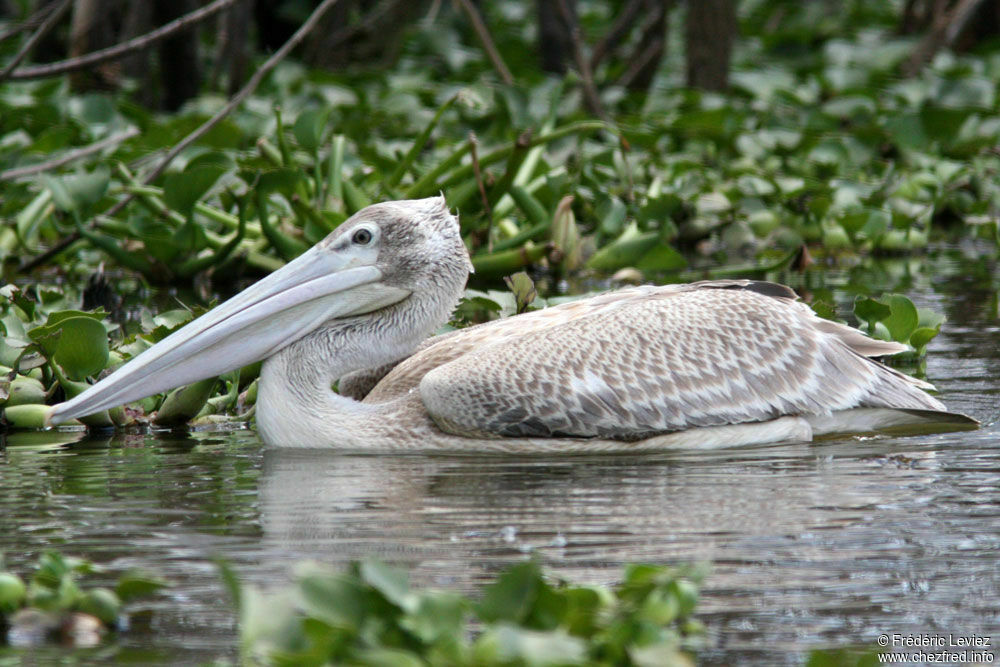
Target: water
x,y
827,544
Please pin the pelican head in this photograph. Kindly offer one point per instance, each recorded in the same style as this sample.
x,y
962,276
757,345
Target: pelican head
x,y
386,254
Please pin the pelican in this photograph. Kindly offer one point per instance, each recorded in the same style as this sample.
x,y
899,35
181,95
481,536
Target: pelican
x,y
707,364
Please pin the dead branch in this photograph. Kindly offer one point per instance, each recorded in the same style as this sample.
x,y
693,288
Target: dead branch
x,y
590,95
616,33
69,156
29,23
487,40
48,24
200,131
652,51
943,33
125,48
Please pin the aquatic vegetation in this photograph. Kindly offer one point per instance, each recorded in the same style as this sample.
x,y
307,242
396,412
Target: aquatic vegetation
x,y
54,606
893,317
369,615
828,147
820,143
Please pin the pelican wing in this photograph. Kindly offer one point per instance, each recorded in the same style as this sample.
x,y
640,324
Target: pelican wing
x,y
639,362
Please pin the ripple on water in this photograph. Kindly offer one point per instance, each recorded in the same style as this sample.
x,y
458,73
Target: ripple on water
x,y
810,545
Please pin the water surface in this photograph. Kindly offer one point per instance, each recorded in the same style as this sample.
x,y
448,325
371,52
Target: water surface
x,y
810,545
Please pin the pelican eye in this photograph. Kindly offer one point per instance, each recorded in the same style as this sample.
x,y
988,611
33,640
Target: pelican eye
x,y
362,237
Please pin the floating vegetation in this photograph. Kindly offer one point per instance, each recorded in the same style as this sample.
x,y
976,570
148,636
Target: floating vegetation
x,y
369,615
53,606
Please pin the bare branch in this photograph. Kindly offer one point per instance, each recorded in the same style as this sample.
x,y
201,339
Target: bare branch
x,y
47,25
590,94
69,156
488,45
125,48
236,100
29,23
943,33
649,54
244,92
616,33
473,142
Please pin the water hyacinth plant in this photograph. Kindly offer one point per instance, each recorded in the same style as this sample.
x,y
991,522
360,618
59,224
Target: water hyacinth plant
x,y
369,615
826,150
53,605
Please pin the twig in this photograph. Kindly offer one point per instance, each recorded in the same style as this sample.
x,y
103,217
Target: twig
x,y
125,48
652,50
236,100
482,190
944,32
593,100
367,22
47,25
488,45
70,156
590,95
29,23
244,92
616,33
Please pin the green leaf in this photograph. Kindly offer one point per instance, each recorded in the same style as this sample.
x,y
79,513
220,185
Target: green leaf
x,y
77,341
138,583
12,593
626,250
663,257
436,616
336,599
391,582
181,191
583,607
189,238
922,336
523,288
611,212
529,647
930,318
388,657
549,609
75,192
157,237
184,403
511,597
102,603
904,318
280,180
870,310
309,126
686,593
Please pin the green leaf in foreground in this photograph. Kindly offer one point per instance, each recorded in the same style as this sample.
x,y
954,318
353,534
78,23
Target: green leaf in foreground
x,y
871,311
138,583
75,340
511,597
894,317
369,615
903,319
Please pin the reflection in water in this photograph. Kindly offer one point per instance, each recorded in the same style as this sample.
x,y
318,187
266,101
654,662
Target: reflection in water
x,y
809,545
825,544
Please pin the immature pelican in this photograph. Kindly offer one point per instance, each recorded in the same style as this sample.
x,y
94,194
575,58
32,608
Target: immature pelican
x,y
702,365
